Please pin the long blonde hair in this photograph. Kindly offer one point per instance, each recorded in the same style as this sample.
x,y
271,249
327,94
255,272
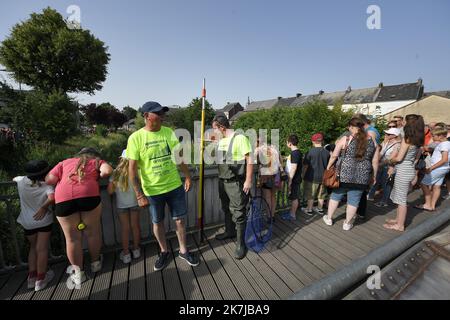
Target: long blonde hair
x,y
120,175
79,170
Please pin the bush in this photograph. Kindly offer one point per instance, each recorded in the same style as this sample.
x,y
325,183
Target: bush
x,y
101,130
302,121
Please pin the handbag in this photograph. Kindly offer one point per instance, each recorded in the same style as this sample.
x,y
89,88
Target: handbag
x,y
331,176
390,180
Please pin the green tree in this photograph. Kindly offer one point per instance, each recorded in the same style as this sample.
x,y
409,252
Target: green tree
x,y
193,113
34,115
129,112
105,114
44,53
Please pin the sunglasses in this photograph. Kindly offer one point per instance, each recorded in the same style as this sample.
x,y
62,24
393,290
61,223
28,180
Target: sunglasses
x,y
392,127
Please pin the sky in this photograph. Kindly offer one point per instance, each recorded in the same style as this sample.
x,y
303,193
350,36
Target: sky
x,y
162,50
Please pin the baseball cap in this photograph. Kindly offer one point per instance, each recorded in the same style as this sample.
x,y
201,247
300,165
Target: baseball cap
x,y
317,137
124,154
393,131
154,107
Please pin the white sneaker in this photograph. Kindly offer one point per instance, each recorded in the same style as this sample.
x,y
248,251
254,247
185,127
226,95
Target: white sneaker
x,y
319,211
347,226
328,221
126,258
78,278
41,284
31,282
96,266
136,253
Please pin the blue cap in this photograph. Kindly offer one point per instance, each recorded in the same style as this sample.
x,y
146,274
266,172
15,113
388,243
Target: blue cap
x,y
152,106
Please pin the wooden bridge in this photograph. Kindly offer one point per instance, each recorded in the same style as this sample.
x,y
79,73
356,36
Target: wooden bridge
x,y
300,253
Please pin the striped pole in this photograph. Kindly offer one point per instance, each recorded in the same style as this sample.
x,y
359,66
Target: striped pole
x,y
201,196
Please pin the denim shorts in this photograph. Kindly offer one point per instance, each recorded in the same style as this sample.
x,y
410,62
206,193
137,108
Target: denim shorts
x,y
353,196
175,199
435,177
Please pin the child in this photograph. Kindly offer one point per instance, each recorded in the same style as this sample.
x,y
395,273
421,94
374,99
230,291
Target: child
x,y
315,163
37,220
436,172
127,207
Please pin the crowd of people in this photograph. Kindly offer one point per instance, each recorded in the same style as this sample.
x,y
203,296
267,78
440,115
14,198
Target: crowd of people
x,y
411,153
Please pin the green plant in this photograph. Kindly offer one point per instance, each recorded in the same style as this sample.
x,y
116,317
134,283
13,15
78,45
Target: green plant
x,y
101,130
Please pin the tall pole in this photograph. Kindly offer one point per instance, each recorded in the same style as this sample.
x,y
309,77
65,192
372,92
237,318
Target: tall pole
x,y
201,196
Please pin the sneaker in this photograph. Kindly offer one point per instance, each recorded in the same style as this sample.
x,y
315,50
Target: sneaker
x,y
162,261
318,210
41,284
190,258
370,199
77,278
126,258
96,266
308,212
328,221
287,216
31,282
136,253
347,226
381,204
445,197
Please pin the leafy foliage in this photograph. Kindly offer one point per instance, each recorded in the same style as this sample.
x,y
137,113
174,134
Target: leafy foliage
x,y
44,53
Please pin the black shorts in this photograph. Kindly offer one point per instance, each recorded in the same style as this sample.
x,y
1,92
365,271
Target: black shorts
x,y
34,231
295,191
66,208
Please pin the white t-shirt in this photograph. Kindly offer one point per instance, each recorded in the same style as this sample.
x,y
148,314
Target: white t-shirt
x,y
31,200
125,199
437,155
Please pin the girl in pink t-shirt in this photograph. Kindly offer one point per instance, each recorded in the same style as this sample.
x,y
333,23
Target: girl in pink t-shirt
x,y
78,206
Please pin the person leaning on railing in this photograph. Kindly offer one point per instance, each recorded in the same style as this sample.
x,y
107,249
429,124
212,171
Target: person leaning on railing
x,y
78,206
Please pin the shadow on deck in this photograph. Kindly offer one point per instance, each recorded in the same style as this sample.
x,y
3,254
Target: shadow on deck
x,y
299,254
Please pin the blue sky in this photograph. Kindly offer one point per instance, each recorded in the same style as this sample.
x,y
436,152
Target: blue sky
x,y
162,50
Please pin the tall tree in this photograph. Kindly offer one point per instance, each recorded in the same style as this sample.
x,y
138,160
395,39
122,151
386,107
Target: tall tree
x,y
44,53
129,112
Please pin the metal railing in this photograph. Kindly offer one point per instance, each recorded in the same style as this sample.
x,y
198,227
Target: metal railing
x,y
15,256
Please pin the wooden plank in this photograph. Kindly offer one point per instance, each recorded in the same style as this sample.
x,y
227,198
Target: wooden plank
x,y
240,282
4,279
307,234
47,293
223,282
119,281
100,288
154,280
280,263
136,282
347,248
62,292
260,280
13,285
299,240
172,284
205,280
314,266
188,280
85,290
229,247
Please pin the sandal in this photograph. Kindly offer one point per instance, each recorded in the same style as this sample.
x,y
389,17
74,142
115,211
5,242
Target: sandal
x,y
391,221
421,207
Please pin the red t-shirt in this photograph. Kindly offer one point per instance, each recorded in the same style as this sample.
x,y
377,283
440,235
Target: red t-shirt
x,y
428,138
69,188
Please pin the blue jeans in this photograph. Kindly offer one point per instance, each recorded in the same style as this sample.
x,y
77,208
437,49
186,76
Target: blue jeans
x,y
175,199
382,181
353,196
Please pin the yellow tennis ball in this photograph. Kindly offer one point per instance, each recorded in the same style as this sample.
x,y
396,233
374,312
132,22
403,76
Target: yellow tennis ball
x,y
81,226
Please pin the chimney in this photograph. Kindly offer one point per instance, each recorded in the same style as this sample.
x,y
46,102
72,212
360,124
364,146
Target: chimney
x,y
321,92
298,95
279,98
420,81
380,85
349,89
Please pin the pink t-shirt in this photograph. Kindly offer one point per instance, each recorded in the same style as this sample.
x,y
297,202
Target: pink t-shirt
x,y
69,188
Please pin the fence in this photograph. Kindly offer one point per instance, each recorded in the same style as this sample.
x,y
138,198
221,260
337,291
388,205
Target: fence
x,y
13,241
